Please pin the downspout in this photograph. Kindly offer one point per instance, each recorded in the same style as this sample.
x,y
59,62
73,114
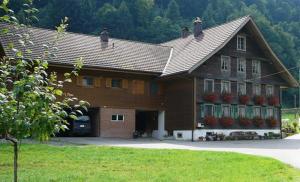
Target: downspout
x,y
194,106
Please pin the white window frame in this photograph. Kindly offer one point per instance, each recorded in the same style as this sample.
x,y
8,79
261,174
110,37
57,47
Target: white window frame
x,y
254,89
238,88
237,43
213,109
256,65
241,106
243,61
254,111
228,63
226,105
268,113
117,118
205,85
272,89
222,84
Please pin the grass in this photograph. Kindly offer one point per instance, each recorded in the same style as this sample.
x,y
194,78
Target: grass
x,y
43,163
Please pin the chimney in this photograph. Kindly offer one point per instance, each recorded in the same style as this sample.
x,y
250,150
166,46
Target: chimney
x,y
104,36
185,32
197,27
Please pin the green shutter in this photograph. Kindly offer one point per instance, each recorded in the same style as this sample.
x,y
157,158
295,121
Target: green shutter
x,y
219,111
249,112
234,111
202,110
264,112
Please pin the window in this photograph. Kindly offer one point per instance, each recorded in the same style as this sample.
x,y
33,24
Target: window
x,y
116,83
256,89
208,110
241,65
154,88
241,43
225,87
87,81
242,111
256,69
270,112
269,90
225,63
117,117
226,110
208,85
241,88
257,111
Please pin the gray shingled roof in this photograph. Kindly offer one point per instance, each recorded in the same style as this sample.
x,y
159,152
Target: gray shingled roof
x,y
118,54
190,51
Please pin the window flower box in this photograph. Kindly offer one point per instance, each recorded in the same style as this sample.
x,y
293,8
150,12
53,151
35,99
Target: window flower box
x,y
244,99
259,100
210,121
273,101
258,122
210,97
271,122
226,121
227,97
245,122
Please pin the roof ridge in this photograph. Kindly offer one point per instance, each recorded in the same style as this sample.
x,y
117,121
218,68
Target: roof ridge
x,y
218,25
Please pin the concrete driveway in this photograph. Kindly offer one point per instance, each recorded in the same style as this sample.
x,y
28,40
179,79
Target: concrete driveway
x,y
286,150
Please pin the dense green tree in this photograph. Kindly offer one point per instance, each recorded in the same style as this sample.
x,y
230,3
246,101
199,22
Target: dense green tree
x,y
173,12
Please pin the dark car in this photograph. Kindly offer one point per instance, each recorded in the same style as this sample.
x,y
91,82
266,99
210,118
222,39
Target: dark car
x,y
82,126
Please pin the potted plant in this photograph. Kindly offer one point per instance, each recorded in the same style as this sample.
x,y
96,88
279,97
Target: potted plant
x,y
271,122
210,97
210,121
227,97
244,99
226,121
273,101
258,122
259,100
245,122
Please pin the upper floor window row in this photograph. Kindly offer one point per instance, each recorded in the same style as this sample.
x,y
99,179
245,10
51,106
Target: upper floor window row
x,y
256,67
225,63
241,43
241,65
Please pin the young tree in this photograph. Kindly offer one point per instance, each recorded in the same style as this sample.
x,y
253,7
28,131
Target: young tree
x,y
32,101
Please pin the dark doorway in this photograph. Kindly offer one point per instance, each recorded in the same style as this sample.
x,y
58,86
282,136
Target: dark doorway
x,y
146,122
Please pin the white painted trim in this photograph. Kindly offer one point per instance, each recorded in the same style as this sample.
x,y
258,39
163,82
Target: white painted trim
x,y
213,86
268,85
228,65
237,43
244,106
169,59
227,105
237,65
213,109
237,87
222,82
253,89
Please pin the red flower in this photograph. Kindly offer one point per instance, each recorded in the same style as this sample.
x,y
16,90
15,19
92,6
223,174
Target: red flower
x,y
210,120
210,97
258,122
273,101
271,122
259,100
244,121
227,97
226,121
244,99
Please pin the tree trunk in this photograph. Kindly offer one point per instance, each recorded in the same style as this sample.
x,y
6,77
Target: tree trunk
x,y
15,145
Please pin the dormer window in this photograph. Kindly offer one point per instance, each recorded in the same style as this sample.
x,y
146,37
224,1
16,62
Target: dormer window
x,y
225,63
241,43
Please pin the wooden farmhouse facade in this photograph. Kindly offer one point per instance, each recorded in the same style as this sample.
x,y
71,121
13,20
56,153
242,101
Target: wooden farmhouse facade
x,y
222,79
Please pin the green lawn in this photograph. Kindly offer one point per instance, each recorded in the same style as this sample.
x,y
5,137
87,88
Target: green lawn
x,y
42,163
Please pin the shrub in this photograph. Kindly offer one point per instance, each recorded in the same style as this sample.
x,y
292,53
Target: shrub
x,y
258,122
244,99
227,97
259,100
271,122
273,101
210,121
226,121
210,97
244,121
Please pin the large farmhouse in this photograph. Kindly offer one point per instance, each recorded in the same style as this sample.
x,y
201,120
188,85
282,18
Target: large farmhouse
x,y
222,79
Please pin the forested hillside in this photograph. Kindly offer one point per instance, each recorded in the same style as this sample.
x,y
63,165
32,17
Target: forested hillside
x,y
161,20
